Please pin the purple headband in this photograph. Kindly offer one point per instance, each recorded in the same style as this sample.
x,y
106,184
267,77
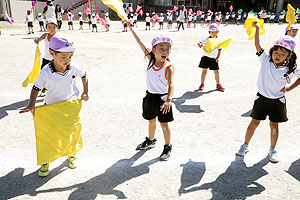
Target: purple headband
x,y
292,28
61,43
287,42
213,27
161,39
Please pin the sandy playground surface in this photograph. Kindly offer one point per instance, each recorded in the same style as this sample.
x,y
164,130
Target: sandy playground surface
x,y
208,129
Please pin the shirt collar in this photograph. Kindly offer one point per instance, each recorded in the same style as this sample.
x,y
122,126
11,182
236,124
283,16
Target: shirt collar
x,y
53,70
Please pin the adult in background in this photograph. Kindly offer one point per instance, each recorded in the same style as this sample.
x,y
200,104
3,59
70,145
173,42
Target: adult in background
x,y
58,14
49,10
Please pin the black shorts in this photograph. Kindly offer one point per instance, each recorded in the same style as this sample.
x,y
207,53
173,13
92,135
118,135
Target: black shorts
x,y
151,108
107,25
45,62
41,23
210,63
161,23
90,22
189,22
94,25
81,23
195,21
274,108
29,24
147,23
70,23
134,22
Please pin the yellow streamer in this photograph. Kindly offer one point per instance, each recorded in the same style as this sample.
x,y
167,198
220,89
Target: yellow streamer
x,y
117,6
290,16
250,29
57,130
35,69
213,43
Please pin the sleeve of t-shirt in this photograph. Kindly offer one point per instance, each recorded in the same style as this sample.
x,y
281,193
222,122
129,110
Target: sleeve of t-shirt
x,y
263,56
80,72
40,82
297,72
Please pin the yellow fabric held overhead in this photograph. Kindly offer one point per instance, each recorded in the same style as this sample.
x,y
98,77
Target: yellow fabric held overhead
x,y
213,43
35,69
57,130
117,6
250,29
290,16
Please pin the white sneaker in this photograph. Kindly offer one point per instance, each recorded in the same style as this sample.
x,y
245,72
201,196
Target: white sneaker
x,y
272,155
243,150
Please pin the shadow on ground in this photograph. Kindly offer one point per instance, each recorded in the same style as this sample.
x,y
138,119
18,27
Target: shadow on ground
x,y
237,182
14,184
192,174
179,101
105,183
247,114
14,106
294,170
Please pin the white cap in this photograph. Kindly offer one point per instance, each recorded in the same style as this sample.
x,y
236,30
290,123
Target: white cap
x,y
161,39
51,21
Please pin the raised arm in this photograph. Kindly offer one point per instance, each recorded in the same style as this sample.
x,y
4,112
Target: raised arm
x,y
256,40
37,40
138,40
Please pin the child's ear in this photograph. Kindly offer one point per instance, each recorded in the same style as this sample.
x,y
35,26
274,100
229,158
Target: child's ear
x,y
51,52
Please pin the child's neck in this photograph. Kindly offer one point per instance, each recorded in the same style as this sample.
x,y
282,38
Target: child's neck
x,y
59,68
159,63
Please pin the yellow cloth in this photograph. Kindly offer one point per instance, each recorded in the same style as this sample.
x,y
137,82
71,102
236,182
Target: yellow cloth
x,y
35,69
57,130
117,6
290,16
213,43
250,29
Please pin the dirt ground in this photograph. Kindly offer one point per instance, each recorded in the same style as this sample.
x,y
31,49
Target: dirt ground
x,y
209,125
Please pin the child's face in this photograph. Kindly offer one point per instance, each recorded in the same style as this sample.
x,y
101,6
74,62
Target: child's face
x,y
292,32
280,55
51,28
162,51
62,59
213,34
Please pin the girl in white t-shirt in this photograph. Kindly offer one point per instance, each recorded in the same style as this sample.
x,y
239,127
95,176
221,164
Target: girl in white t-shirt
x,y
70,20
148,20
160,88
161,21
29,19
80,20
276,71
40,18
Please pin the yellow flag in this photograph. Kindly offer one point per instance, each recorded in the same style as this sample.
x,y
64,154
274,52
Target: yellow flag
x,y
57,130
250,29
290,16
213,43
35,69
117,6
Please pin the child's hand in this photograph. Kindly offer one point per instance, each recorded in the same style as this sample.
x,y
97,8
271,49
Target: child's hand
x,y
30,108
36,41
285,89
85,96
129,25
217,60
254,24
165,108
199,44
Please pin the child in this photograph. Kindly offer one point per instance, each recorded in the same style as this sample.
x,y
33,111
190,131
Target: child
x,y
208,18
148,20
59,77
195,19
272,18
124,23
202,17
161,21
40,18
292,32
281,18
190,19
51,26
233,17
135,19
277,69
227,18
70,20
107,21
80,20
29,19
170,19
94,22
160,85
153,19
89,16
181,18
238,18
210,60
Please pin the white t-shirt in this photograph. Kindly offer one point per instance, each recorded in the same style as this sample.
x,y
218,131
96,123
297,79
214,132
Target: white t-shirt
x,y
60,87
208,17
270,79
70,19
80,19
212,54
135,17
170,17
93,20
50,13
161,19
181,16
156,79
272,17
41,18
190,18
47,54
227,16
29,18
107,21
148,19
